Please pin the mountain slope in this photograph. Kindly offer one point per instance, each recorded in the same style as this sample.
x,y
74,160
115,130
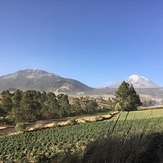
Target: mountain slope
x,y
138,82
141,82
42,81
145,87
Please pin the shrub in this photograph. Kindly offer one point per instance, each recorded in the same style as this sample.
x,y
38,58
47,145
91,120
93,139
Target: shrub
x,y
20,127
118,107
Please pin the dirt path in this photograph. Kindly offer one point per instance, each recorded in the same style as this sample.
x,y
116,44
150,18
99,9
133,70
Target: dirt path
x,y
10,129
50,123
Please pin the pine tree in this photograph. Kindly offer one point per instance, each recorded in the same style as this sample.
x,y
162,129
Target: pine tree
x,y
6,103
64,106
15,114
50,107
127,98
29,106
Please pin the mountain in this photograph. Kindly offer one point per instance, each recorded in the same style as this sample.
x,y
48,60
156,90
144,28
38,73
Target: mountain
x,y
141,82
146,88
138,82
41,80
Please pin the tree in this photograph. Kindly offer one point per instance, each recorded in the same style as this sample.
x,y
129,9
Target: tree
x,y
127,98
2,113
64,106
91,106
50,105
6,103
29,106
15,114
76,106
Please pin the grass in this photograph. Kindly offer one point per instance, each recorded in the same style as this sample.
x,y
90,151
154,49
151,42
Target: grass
x,y
134,137
49,142
139,148
144,114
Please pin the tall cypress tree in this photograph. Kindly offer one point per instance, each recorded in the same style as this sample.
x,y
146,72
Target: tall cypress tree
x,y
127,98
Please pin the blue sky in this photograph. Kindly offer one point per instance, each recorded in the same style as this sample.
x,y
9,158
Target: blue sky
x,y
98,42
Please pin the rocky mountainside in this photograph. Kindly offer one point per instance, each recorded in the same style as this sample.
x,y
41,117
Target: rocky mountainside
x,y
42,81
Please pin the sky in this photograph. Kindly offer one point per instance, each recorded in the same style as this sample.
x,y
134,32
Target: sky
x,y
98,42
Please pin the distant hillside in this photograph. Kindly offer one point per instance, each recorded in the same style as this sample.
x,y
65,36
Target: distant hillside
x,y
42,81
138,82
144,86
144,92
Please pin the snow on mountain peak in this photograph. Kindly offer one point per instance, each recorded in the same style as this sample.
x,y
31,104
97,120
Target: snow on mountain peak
x,y
141,82
137,78
134,77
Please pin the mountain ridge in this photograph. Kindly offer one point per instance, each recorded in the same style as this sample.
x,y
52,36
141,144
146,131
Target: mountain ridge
x,y
138,82
44,81
41,80
141,82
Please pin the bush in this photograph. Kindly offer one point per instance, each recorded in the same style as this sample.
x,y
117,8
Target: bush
x,y
20,127
118,107
71,121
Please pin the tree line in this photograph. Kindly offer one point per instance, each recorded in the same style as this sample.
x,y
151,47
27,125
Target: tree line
x,y
30,105
33,105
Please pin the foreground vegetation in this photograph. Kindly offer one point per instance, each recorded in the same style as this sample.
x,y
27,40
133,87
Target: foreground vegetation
x,y
67,144
139,148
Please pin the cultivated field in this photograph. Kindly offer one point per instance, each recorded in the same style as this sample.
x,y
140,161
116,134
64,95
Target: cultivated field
x,y
66,141
144,114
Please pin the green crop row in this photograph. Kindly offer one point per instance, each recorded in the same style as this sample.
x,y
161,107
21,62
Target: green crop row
x,y
28,146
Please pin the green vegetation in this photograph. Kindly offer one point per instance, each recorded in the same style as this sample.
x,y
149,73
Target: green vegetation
x,y
126,98
33,105
73,142
144,114
140,148
67,143
20,127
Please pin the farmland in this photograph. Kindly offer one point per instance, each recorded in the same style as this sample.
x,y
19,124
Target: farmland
x,y
53,142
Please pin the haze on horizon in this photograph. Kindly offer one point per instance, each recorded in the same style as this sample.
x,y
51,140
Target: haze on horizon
x,y
96,42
